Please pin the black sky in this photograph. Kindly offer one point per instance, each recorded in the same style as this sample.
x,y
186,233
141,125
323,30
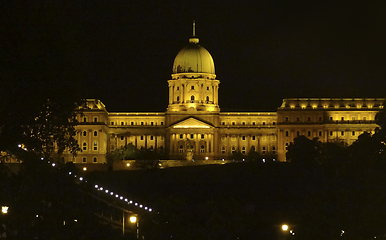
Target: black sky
x,y
122,52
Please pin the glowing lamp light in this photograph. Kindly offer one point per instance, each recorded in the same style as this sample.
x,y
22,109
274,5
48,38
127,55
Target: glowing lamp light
x,y
133,219
53,164
284,227
150,209
111,193
206,158
140,206
96,186
81,179
121,197
125,199
107,191
4,209
116,195
127,164
84,169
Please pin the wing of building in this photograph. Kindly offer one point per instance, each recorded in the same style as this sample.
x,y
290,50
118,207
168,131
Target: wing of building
x,y
194,123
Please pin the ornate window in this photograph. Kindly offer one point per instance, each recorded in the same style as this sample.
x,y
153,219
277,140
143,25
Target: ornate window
x,y
223,149
95,146
202,150
95,133
192,97
181,149
84,146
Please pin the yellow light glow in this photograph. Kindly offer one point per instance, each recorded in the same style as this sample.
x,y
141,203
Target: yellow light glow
x,y
84,169
133,219
4,209
284,227
206,158
128,164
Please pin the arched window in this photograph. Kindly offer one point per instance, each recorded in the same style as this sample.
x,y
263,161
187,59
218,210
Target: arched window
x,y
202,150
207,98
95,159
84,133
202,136
181,149
223,149
263,150
192,98
84,159
233,149
95,146
84,146
95,133
178,98
273,149
243,150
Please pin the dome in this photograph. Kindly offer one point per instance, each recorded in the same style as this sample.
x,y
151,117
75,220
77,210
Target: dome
x,y
193,58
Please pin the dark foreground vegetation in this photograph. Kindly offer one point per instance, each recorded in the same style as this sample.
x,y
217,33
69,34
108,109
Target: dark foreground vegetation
x,y
326,191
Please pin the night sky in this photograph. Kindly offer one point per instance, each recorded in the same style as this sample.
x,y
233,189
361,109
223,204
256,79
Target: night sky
x,y
122,52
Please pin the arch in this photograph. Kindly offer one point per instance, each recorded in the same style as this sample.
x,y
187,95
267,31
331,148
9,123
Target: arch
x,y
192,98
202,150
207,98
178,98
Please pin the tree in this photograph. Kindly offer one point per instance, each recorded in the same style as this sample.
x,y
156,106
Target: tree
x,y
304,150
44,131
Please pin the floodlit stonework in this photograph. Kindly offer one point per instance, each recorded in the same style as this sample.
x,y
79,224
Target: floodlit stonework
x,y
194,123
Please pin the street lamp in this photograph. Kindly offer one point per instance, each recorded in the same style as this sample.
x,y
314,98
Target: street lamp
x,y
4,209
133,219
284,227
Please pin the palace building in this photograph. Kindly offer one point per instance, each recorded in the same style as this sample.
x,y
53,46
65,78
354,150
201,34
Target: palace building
x,y
194,127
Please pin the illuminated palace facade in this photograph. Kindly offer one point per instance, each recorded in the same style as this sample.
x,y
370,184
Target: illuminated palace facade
x,y
194,123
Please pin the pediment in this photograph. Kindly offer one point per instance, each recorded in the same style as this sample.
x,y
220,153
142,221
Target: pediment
x,y
191,123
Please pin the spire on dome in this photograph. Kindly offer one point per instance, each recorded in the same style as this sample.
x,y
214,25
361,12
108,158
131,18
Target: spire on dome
x,y
194,28
194,39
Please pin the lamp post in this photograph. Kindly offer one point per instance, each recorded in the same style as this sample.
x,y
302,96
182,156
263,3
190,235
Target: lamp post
x,y
134,220
4,211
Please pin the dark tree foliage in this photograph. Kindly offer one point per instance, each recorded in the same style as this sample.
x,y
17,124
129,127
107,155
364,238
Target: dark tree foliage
x,y
304,150
44,131
145,157
353,192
